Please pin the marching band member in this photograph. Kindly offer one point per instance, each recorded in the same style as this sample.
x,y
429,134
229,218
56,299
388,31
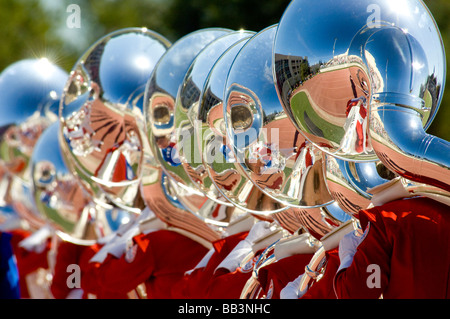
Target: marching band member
x,y
232,274
32,253
183,238
408,215
76,222
195,282
29,94
388,260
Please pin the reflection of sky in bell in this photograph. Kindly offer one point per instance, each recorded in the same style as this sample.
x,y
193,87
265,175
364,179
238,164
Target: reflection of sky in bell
x,y
217,76
316,30
252,69
174,64
26,77
337,212
122,70
366,177
208,56
47,149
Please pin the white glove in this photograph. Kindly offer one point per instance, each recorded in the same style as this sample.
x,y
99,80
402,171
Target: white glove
x,y
116,246
37,241
244,247
257,231
347,249
292,289
202,262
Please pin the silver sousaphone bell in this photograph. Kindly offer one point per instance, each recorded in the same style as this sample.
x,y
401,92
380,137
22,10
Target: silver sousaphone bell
x,y
370,86
102,116
61,200
29,95
362,83
187,108
165,193
219,160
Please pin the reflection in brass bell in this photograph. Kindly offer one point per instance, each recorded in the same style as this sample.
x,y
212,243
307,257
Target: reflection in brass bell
x,y
218,158
241,118
269,150
161,114
330,71
29,94
172,201
186,113
317,221
60,199
349,183
102,113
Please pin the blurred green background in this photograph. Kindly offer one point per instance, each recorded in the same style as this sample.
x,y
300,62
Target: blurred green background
x,y
35,28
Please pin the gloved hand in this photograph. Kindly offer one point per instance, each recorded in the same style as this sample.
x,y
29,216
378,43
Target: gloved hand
x,y
202,263
37,241
244,247
116,246
257,231
292,289
347,249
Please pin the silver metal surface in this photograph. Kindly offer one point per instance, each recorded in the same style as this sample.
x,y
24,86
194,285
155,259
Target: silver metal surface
x,y
318,221
224,173
268,148
59,198
29,93
186,114
177,204
102,112
339,67
349,183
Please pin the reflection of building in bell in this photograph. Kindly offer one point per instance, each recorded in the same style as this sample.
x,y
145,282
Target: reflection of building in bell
x,y
92,63
209,101
190,94
294,70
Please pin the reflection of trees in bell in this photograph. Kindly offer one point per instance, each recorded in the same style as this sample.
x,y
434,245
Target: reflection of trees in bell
x,y
92,63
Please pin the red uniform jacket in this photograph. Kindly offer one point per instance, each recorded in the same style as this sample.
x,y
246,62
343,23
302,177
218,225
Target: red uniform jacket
x,y
195,284
406,253
323,289
79,255
228,285
27,261
159,259
276,276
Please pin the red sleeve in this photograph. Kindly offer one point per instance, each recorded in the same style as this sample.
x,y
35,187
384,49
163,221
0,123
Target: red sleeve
x,y
323,289
28,261
227,285
194,285
368,275
67,254
276,276
122,274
